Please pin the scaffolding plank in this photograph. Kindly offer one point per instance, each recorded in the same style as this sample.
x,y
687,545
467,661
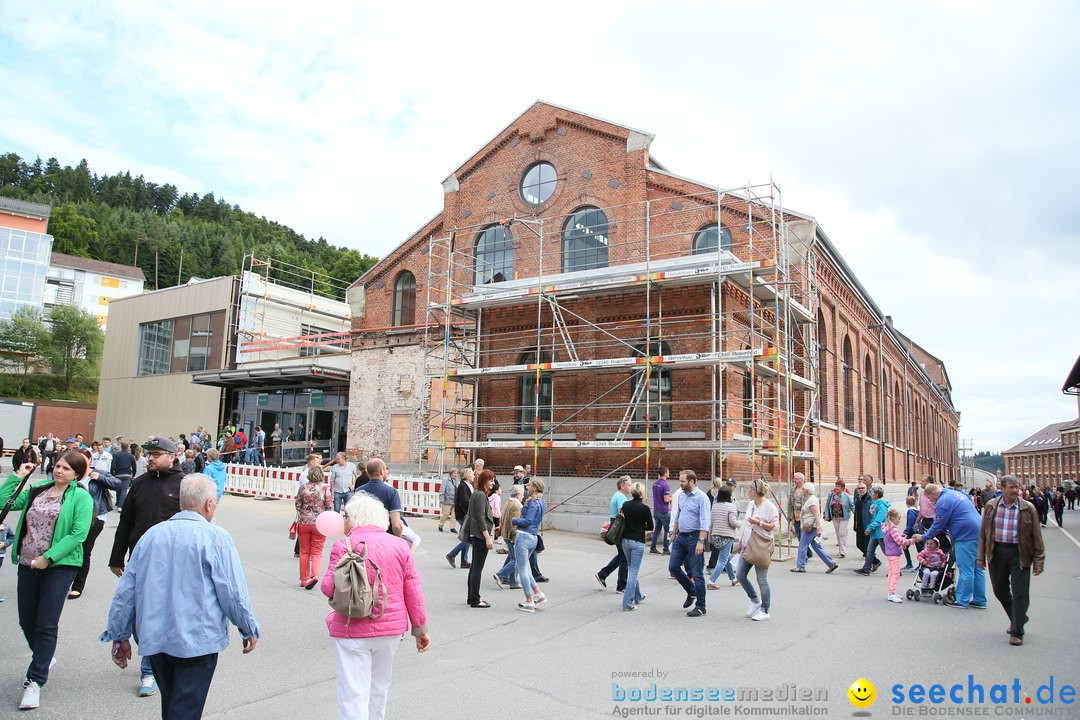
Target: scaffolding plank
x,y
556,287
681,360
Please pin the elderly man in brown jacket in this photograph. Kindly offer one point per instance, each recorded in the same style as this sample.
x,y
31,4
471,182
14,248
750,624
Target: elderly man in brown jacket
x,y
1011,545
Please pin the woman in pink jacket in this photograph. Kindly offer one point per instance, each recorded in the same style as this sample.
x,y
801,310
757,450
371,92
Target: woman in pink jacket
x,y
366,646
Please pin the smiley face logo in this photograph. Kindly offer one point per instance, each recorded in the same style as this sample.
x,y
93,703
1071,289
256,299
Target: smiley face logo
x,y
862,693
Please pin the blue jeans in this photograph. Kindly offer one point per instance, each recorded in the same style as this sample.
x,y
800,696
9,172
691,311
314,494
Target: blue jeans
x,y
41,596
184,684
871,554
808,539
617,562
662,525
508,572
463,548
762,575
723,560
683,553
634,552
971,580
341,499
524,544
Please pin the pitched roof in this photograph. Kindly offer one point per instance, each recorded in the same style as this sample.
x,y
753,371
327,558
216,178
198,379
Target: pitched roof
x,y
1049,438
97,266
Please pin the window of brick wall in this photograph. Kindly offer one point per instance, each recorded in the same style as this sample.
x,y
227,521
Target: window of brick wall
x,y
405,299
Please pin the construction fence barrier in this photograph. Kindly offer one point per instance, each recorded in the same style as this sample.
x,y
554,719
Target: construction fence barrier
x,y
419,496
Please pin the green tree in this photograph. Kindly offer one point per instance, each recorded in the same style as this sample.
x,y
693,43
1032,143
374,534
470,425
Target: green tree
x,y
350,265
72,233
76,342
24,342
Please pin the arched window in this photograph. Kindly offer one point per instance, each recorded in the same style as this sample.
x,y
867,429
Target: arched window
x,y
656,400
585,240
494,255
868,397
711,236
898,415
404,299
531,407
849,386
822,369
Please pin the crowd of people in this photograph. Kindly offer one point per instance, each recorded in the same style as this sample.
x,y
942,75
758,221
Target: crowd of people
x,y
167,490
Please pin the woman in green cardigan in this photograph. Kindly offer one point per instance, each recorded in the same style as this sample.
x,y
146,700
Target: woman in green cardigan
x,y
49,545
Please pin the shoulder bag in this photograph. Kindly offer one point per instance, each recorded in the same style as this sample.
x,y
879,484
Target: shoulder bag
x,y
614,534
759,549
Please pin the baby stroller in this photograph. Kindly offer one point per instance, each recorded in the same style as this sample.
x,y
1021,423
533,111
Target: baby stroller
x,y
942,588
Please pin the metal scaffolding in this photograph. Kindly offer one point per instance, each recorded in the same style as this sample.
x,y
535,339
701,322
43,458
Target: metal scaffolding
x,y
658,294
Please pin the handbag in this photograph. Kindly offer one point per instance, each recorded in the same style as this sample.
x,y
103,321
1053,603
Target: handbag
x,y
614,534
758,551
292,530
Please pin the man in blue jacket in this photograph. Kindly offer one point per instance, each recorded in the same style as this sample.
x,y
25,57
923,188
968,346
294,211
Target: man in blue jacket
x,y
955,514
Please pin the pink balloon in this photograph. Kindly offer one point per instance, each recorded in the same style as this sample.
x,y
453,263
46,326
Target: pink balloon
x,y
330,523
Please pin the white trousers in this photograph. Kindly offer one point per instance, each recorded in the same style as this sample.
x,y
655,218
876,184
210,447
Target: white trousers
x,y
841,525
365,667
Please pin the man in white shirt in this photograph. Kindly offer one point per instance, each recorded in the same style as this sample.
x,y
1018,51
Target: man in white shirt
x,y
100,459
342,476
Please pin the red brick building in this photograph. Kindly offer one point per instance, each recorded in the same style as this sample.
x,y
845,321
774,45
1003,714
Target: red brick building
x,y
578,306
1052,455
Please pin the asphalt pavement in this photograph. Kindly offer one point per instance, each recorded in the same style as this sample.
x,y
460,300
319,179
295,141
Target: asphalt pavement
x,y
579,655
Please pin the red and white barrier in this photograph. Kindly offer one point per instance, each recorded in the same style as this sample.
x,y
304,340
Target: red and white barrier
x,y
419,496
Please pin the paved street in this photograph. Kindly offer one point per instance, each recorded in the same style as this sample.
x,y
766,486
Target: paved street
x,y
827,631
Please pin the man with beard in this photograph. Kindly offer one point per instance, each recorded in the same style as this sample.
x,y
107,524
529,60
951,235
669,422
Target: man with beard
x,y
154,497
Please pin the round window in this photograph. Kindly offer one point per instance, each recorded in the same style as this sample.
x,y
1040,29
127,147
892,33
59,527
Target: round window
x,y
538,183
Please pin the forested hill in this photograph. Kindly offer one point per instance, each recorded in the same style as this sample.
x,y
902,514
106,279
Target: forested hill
x,y
134,221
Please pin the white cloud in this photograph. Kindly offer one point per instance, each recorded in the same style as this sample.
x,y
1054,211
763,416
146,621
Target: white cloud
x,y
936,143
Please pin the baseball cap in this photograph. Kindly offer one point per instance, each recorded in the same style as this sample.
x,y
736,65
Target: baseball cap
x,y
159,443
519,468
70,440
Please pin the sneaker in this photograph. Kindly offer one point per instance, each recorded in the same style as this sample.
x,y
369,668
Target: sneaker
x,y
642,598
440,528
654,551
908,568
760,615
599,579
734,583
841,554
696,612
977,607
860,571
895,599
666,552
514,587
539,598
831,569
453,530
31,695
690,598
148,686
953,604
498,582
526,607
712,586
542,579
752,610
798,570
628,609
2,598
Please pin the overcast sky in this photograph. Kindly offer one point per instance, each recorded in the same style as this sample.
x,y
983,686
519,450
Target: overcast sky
x,y
935,142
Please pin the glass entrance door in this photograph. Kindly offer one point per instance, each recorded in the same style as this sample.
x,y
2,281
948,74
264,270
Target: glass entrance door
x,y
321,431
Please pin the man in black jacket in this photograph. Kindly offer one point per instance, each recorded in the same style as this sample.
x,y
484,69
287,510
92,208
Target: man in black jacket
x,y
123,469
154,497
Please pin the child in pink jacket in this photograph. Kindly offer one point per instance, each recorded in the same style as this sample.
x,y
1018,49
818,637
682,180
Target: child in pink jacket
x,y
894,542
